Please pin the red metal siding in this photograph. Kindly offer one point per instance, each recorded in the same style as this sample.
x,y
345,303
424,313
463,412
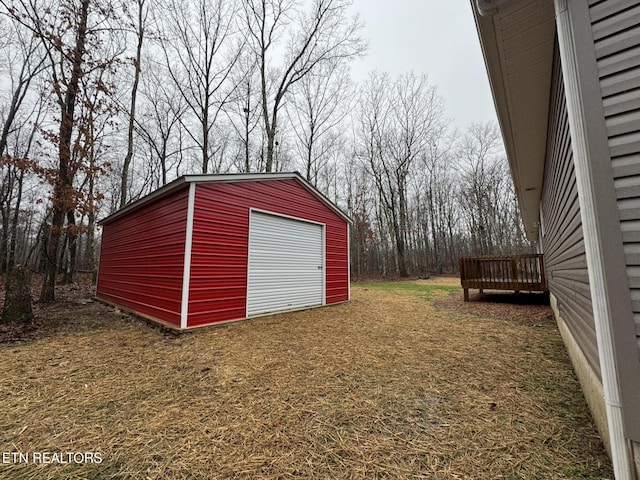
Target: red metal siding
x,y
142,258
218,283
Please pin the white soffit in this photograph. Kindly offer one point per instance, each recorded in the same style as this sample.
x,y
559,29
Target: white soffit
x,y
517,43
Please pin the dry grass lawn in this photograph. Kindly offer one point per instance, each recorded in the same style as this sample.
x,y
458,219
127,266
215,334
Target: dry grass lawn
x,y
398,383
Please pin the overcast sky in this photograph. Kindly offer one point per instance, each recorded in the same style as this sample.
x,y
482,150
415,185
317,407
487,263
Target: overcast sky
x,y
436,37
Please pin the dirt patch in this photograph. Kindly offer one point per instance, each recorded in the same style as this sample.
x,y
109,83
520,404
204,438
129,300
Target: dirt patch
x,y
526,308
386,386
75,311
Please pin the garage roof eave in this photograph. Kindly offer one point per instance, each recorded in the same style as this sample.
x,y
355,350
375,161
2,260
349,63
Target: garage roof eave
x,y
185,180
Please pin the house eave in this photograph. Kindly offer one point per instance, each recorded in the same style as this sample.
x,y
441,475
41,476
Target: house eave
x,y
517,39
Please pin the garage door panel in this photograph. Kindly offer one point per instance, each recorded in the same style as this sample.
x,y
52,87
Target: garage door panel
x,y
267,283
286,268
301,298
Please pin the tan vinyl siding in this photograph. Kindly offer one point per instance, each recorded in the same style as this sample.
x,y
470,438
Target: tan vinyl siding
x,y
563,242
616,32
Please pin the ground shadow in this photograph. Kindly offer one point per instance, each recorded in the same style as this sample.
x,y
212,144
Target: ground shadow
x,y
521,298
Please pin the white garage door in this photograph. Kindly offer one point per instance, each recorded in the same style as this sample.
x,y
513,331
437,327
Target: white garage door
x,y
286,264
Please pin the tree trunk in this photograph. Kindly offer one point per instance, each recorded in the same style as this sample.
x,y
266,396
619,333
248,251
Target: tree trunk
x,y
72,241
205,144
43,242
271,138
11,257
4,240
247,163
17,301
62,254
400,225
51,257
163,162
91,235
401,256
309,153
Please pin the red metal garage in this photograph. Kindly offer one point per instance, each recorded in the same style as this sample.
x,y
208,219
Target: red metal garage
x,y
206,249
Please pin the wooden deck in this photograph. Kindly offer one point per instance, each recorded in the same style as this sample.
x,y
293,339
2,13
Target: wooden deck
x,y
503,272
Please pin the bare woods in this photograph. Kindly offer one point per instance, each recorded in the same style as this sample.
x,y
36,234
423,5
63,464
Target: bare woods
x,y
102,102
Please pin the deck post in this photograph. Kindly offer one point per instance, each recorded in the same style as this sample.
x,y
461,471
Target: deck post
x,y
466,294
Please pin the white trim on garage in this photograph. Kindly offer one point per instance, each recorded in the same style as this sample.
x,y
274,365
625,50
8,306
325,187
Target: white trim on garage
x,y
186,276
348,261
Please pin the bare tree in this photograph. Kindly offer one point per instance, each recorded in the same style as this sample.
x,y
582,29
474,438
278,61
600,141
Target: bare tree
x,y
323,34
359,199
486,194
244,111
476,155
319,103
434,196
201,49
162,113
16,166
24,59
398,121
138,24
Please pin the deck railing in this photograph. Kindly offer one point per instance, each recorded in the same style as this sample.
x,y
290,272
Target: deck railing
x,y
503,272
